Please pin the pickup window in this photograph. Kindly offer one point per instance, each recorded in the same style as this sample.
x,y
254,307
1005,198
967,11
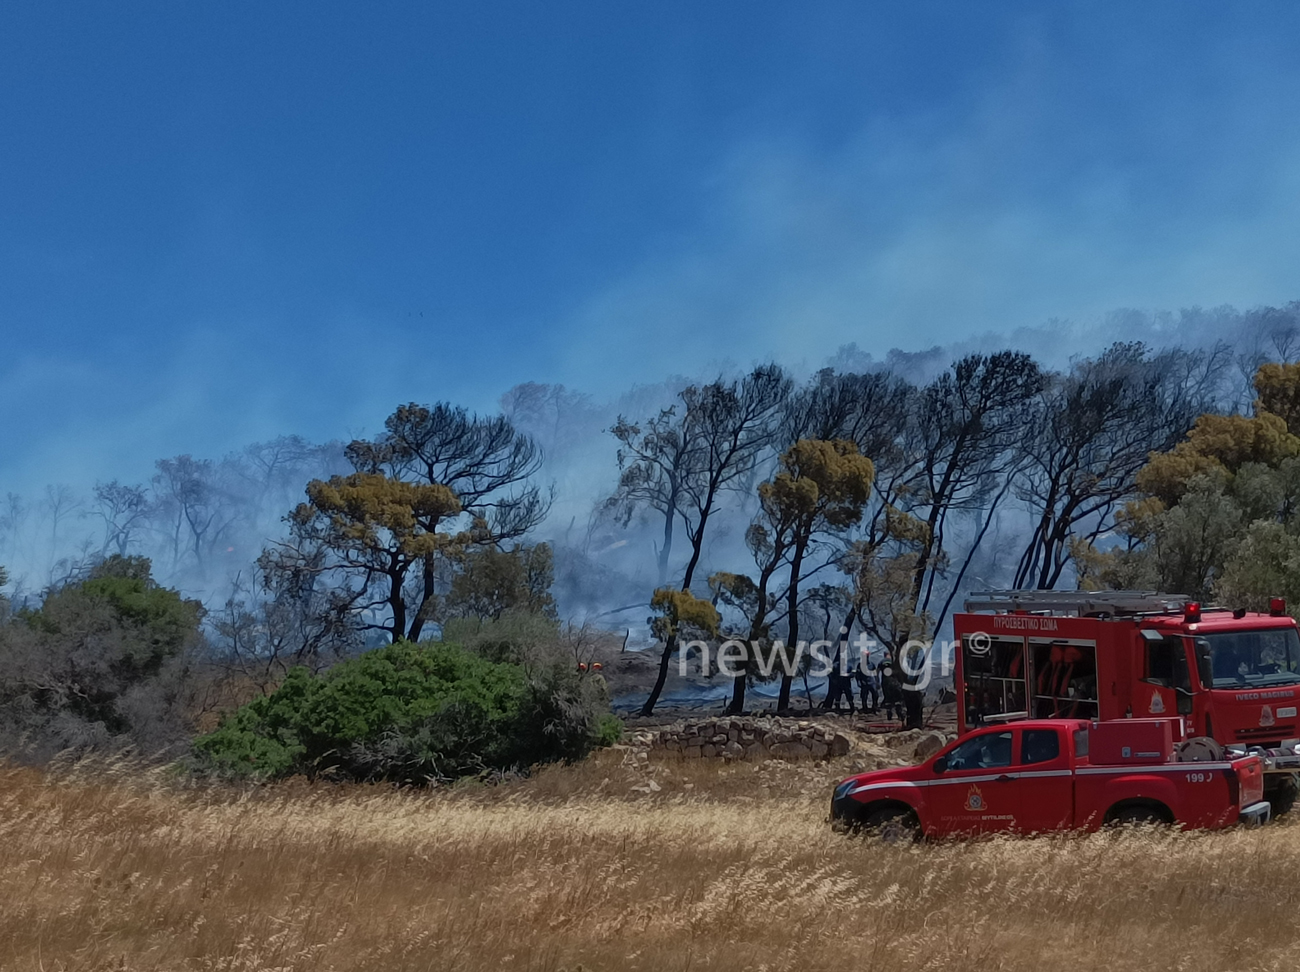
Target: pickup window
x,y
1039,746
988,750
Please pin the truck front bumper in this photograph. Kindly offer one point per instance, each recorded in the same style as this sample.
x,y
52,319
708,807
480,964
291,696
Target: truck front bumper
x,y
845,809
1256,814
844,812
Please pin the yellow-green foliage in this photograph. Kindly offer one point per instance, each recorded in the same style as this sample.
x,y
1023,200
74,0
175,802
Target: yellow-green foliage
x,y
1218,445
1218,514
823,479
682,608
362,505
884,588
904,527
1278,387
739,591
492,582
739,588
884,576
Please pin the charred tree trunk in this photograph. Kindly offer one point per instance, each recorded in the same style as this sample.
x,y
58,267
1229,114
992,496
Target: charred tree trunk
x,y
792,623
670,645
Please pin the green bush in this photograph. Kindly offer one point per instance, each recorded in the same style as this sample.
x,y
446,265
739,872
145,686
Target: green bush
x,y
405,713
609,729
104,663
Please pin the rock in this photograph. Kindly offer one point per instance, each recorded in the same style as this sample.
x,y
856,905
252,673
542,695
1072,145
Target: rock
x,y
929,744
819,750
733,750
790,750
904,739
692,752
840,744
709,750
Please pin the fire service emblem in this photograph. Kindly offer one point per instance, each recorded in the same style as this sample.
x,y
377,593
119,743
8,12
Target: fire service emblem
x,y
975,800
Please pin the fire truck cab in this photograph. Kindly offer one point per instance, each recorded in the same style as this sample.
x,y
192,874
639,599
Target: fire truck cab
x,y
1232,677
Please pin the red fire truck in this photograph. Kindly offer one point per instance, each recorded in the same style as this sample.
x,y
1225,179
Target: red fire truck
x,y
1046,775
1232,677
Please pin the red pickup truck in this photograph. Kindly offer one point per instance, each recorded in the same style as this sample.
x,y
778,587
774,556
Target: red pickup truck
x,y
1050,775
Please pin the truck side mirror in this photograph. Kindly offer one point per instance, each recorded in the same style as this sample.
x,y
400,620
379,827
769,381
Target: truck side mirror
x,y
1182,682
1204,663
1182,679
941,764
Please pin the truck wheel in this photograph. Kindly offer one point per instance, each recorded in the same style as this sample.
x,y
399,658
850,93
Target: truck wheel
x,y
1281,794
1139,815
893,825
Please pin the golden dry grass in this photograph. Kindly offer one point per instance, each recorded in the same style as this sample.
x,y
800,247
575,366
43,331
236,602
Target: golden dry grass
x,y
571,869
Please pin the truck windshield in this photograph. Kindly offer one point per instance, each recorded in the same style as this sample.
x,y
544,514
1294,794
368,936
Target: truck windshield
x,y
1268,657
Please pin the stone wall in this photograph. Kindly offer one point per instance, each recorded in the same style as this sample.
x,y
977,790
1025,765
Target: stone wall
x,y
743,737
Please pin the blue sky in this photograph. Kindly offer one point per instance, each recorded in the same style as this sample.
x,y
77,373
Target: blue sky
x,y
223,222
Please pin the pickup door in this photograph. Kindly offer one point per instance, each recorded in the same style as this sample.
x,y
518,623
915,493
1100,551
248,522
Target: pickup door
x,y
1044,780
1003,779
971,790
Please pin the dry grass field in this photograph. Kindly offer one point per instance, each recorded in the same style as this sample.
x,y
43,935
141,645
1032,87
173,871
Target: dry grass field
x,y
723,868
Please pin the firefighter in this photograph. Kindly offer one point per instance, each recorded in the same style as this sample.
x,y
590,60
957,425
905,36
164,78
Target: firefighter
x,y
912,690
891,689
839,685
868,680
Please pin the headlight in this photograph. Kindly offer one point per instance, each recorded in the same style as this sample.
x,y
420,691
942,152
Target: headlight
x,y
844,788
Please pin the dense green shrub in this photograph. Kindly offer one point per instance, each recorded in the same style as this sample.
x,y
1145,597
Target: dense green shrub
x,y
609,729
102,664
407,713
